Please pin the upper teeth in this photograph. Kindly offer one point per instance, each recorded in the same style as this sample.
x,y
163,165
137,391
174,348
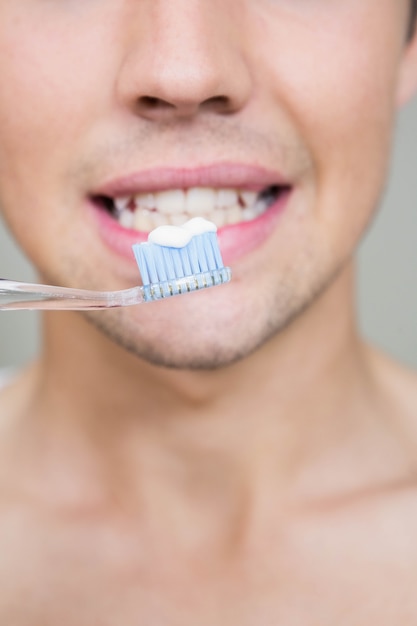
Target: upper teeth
x,y
147,211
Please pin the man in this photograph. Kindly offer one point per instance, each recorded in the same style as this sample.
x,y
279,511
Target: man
x,y
238,456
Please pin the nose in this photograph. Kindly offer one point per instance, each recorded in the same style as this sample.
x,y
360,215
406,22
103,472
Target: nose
x,y
184,57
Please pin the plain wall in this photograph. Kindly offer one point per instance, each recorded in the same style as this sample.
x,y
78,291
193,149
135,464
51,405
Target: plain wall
x,y
387,267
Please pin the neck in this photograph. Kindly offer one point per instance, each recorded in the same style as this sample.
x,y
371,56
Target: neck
x,y
205,431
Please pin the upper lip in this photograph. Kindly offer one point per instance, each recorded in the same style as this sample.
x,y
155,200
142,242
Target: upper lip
x,y
220,175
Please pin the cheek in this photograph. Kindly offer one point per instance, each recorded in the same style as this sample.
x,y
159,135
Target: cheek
x,y
56,67
33,131
336,86
54,90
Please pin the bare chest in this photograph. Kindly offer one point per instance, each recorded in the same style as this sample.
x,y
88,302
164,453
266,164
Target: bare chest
x,y
310,578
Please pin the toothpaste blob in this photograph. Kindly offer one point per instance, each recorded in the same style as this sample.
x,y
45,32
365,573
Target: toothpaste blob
x,y
170,236
180,236
198,226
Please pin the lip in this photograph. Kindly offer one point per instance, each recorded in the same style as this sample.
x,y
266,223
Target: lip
x,y
235,240
220,175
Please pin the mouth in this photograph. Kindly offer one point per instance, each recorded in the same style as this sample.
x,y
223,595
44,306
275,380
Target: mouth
x,y
144,212
245,202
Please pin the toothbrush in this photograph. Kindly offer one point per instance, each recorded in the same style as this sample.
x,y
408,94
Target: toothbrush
x,y
175,260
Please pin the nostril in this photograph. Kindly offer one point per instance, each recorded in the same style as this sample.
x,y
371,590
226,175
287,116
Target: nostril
x,y
218,103
152,103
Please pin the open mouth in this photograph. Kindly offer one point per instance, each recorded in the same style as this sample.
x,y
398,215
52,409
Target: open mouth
x,y
146,211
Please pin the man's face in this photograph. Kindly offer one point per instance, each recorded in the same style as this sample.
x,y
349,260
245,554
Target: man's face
x,y
283,109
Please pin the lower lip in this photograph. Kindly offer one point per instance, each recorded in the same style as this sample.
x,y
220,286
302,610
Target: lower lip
x,y
235,241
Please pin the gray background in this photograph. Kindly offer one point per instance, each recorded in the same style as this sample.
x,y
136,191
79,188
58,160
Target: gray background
x,y
387,260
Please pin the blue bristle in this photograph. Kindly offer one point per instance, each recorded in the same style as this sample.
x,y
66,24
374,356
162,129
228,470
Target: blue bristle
x,y
199,242
138,252
216,250
198,262
185,261
171,268
152,262
193,254
162,266
219,277
208,248
178,268
167,270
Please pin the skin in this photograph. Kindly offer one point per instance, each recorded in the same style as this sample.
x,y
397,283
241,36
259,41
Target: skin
x,y
267,475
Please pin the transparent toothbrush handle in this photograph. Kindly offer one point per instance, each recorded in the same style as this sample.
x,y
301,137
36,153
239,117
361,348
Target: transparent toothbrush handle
x,y
16,295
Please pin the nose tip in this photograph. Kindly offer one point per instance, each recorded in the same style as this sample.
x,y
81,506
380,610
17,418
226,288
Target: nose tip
x,y
185,62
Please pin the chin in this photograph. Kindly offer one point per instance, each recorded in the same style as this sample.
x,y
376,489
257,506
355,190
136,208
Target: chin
x,y
201,335
205,352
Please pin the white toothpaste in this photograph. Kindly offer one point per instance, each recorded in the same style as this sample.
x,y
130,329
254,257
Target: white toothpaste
x,y
198,226
170,236
179,236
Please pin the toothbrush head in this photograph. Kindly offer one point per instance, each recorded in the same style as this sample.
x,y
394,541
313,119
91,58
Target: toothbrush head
x,y
180,259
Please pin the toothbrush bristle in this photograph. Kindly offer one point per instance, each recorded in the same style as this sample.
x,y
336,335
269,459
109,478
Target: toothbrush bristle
x,y
168,271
